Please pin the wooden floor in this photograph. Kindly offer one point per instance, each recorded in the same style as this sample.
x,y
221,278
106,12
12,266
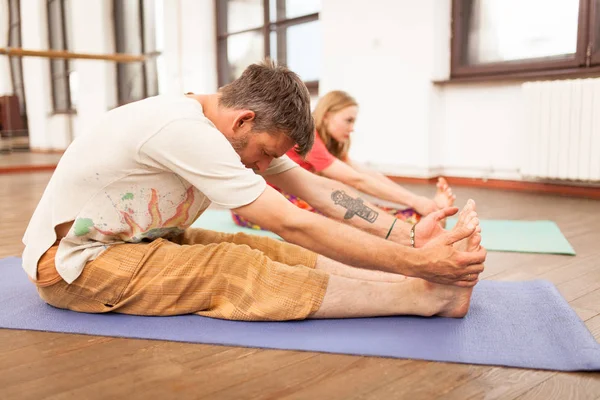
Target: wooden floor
x,y
36,365
27,158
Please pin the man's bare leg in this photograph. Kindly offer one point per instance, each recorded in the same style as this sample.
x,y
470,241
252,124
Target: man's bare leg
x,y
353,298
354,292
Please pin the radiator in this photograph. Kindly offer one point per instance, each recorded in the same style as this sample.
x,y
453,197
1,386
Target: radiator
x,y
562,130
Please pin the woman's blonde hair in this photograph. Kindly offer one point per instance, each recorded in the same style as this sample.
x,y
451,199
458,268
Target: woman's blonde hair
x,y
331,103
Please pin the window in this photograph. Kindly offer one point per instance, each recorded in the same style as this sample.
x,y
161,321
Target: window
x,y
495,37
135,33
16,63
287,31
62,76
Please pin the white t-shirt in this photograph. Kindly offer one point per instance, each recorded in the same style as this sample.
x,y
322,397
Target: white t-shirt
x,y
147,170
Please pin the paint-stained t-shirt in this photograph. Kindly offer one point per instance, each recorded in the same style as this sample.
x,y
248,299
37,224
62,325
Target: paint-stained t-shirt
x,y
145,170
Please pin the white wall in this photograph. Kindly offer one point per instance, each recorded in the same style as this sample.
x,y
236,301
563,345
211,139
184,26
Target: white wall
x,y
384,58
96,89
387,58
199,47
190,50
483,130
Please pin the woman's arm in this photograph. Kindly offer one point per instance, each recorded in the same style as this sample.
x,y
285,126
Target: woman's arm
x,y
379,188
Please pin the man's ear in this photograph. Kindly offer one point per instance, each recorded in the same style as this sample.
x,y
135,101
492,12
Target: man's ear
x,y
243,117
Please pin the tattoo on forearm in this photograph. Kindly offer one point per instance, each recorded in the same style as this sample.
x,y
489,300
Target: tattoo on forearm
x,y
354,206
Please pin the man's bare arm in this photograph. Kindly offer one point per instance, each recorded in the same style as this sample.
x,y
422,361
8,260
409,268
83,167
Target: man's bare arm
x,y
338,201
442,263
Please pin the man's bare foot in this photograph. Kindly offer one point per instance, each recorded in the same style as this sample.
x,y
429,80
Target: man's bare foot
x,y
443,197
456,300
448,301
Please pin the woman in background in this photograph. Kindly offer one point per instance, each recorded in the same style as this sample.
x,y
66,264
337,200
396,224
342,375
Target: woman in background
x,y
335,115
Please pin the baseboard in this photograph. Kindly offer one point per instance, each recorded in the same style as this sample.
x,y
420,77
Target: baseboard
x,y
573,190
491,178
429,176
16,169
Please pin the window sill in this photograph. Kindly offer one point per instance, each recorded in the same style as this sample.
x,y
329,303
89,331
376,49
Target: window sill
x,y
570,73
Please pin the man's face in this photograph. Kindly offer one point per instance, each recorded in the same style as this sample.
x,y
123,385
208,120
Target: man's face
x,y
257,149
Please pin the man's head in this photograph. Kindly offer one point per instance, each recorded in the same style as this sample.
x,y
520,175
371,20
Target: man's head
x,y
271,114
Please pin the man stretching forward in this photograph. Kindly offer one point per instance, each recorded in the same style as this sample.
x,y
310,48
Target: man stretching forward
x,y
111,232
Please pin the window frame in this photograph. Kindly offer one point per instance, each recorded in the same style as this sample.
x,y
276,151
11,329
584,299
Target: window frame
x,y
594,32
279,26
120,42
66,64
583,61
18,85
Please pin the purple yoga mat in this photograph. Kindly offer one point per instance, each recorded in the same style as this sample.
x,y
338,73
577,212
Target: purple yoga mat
x,y
516,324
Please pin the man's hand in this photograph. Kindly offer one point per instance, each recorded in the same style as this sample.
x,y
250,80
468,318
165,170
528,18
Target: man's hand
x,y
429,227
424,206
445,265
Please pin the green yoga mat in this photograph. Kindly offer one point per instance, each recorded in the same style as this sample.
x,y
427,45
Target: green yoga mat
x,y
220,220
522,236
497,235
